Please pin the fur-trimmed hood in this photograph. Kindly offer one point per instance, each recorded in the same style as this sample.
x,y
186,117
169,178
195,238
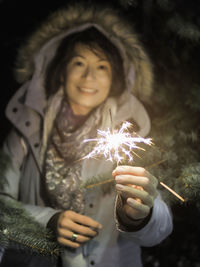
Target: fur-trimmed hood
x,y
38,47
30,103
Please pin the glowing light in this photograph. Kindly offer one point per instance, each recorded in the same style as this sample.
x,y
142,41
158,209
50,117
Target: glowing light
x,y
117,145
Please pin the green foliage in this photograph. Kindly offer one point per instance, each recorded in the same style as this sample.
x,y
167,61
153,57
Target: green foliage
x,y
168,26
183,28
175,132
189,179
128,3
166,5
19,230
193,99
174,158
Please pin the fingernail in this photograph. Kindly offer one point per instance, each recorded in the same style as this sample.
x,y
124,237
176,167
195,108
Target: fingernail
x,y
114,173
120,168
119,186
130,201
100,226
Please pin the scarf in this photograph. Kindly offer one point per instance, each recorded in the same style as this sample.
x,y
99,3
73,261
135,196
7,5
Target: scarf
x,y
63,157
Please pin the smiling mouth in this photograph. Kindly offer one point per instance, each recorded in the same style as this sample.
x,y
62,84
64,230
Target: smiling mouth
x,y
87,90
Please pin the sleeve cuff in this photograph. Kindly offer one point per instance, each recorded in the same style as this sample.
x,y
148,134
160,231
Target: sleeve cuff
x,y
53,221
125,223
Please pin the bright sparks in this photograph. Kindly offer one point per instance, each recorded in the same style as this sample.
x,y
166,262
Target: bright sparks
x,y
117,145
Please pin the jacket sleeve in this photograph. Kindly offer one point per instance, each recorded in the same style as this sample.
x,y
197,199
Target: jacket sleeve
x,y
156,230
14,148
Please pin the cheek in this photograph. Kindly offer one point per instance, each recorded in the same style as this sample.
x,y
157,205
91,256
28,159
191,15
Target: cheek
x,y
70,82
105,81
107,86
104,92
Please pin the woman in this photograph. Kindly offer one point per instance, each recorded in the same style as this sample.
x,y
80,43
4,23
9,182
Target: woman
x,y
79,67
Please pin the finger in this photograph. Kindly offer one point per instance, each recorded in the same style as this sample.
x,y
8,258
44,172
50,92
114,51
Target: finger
x,y
144,182
128,191
152,178
123,169
136,171
136,210
85,220
66,242
77,228
68,235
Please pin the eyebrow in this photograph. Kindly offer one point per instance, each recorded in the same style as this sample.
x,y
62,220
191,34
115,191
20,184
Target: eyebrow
x,y
100,59
103,60
77,55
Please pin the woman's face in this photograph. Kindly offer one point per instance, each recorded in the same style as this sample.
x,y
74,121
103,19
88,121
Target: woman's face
x,y
89,78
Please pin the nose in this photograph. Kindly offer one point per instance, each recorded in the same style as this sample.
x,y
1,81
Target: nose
x,y
89,73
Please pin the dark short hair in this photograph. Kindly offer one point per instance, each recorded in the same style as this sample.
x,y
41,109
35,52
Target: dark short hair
x,y
95,40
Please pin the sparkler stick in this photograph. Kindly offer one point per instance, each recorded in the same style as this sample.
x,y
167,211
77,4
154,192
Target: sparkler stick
x,y
161,183
100,182
172,191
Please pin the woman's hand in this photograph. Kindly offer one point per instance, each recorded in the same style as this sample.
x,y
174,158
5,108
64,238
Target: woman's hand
x,y
138,189
74,229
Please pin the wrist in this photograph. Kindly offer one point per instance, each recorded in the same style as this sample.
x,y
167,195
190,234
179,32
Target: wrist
x,y
53,222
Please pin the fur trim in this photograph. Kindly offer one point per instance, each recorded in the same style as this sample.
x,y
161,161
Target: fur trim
x,y
110,21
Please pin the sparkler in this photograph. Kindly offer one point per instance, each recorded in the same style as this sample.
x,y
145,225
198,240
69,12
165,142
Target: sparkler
x,y
116,145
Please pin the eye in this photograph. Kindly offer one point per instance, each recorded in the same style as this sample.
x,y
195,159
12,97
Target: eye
x,y
78,63
102,67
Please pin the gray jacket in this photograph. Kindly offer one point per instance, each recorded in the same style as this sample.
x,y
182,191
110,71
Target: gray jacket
x,y
113,246
26,144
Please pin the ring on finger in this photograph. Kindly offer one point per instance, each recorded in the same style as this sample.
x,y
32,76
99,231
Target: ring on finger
x,y
74,237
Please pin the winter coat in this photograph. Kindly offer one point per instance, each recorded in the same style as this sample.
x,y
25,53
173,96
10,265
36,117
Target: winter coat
x,y
26,143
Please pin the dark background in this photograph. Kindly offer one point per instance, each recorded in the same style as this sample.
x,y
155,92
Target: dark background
x,y
19,18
